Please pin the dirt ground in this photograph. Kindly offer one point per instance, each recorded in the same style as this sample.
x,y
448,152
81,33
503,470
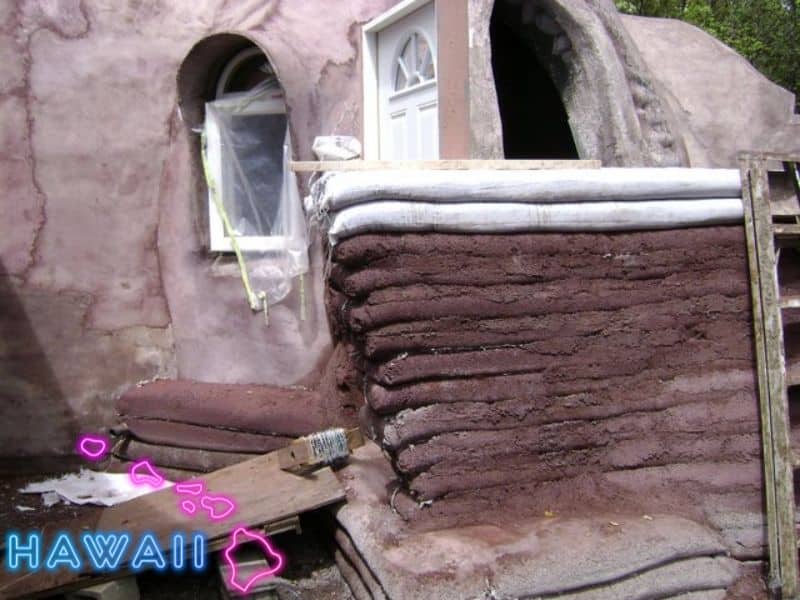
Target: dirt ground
x,y
310,574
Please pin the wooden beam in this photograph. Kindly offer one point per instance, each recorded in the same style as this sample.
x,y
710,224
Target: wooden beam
x,y
263,492
445,165
756,155
772,380
759,335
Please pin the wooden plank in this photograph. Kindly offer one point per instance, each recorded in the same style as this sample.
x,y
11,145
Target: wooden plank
x,y
284,525
776,370
786,230
448,165
761,370
263,492
793,173
756,156
773,401
790,302
792,375
784,191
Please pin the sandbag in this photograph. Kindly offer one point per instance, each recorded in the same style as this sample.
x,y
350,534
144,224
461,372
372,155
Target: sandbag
x,y
261,409
171,433
336,191
365,249
202,461
395,216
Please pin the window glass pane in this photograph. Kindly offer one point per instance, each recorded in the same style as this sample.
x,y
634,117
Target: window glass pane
x,y
424,59
252,163
415,64
400,79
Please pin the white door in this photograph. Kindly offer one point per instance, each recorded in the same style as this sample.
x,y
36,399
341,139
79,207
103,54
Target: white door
x,y
408,111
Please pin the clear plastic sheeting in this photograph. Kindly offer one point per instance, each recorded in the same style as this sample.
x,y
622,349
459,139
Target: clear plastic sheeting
x,y
254,205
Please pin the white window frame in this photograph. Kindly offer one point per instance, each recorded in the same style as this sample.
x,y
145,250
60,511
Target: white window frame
x,y
369,46
266,105
219,240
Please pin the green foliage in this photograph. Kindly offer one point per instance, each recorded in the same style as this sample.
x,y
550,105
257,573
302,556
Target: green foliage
x,y
766,32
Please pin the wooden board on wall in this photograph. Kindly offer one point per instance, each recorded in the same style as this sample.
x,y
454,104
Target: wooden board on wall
x,y
263,492
444,165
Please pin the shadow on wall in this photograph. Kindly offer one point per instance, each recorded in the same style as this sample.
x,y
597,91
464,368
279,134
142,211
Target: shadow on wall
x,y
26,377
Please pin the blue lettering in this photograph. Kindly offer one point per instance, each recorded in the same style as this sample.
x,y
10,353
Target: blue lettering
x,y
178,551
105,550
148,555
199,552
63,552
16,551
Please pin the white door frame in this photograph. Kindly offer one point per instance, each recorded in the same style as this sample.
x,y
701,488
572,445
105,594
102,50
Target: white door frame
x,y
369,70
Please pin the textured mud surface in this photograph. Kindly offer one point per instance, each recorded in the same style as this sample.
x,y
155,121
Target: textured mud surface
x,y
198,426
615,551
574,370
253,408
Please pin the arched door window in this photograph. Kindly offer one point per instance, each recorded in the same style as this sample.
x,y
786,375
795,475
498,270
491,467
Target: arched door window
x,y
415,63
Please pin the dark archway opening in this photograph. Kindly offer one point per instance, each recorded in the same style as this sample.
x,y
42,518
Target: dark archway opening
x,y
535,122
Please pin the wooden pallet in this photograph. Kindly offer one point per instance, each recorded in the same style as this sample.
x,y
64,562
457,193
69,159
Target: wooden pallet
x,y
770,226
265,494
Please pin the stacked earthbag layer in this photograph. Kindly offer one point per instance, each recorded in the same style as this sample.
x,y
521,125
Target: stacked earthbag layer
x,y
497,362
202,427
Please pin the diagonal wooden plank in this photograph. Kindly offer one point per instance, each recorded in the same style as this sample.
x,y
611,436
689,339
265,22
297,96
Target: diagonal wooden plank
x,y
264,494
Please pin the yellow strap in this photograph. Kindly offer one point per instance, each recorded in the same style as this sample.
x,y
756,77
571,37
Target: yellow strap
x,y
263,296
252,299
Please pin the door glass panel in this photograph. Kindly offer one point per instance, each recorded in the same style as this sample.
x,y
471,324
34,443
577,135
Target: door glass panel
x,y
415,63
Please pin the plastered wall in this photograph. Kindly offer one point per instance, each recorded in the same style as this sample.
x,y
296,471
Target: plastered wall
x,y
104,280
104,276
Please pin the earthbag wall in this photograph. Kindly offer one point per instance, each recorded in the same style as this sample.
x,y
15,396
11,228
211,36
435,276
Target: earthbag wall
x,y
499,366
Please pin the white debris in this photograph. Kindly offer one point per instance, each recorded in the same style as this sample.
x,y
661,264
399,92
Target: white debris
x,y
90,487
22,508
50,499
336,147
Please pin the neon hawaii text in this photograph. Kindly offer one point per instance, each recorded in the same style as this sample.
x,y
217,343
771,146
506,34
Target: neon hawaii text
x,y
104,551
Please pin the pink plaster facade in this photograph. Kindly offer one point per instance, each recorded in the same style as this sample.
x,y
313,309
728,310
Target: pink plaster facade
x,y
104,277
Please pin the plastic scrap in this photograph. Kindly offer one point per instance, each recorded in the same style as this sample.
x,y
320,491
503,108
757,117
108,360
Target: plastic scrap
x,y
90,487
246,153
336,147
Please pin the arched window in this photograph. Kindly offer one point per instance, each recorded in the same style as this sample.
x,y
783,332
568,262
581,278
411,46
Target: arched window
x,y
245,131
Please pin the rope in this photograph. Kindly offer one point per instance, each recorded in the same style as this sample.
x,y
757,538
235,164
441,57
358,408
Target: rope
x,y
328,446
252,299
